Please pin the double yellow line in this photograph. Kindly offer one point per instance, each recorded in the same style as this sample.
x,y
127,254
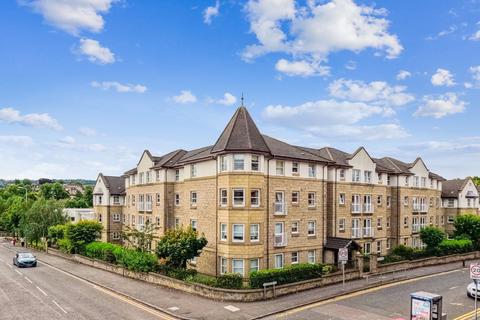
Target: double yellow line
x,y
468,316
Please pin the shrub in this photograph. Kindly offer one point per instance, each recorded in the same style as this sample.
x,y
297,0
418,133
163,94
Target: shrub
x,y
432,236
65,245
56,233
229,281
82,233
403,252
203,279
177,273
452,246
135,260
468,225
102,251
289,274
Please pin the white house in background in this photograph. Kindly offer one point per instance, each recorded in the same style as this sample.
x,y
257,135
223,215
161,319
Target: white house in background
x,y
79,214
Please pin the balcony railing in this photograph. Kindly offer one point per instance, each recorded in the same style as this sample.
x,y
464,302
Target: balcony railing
x,y
367,232
141,206
280,208
368,208
416,228
356,208
356,233
280,240
148,206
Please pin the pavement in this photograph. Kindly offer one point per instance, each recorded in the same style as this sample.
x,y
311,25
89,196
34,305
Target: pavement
x,y
90,293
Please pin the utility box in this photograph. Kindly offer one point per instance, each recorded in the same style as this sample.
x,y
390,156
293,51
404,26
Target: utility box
x,y
426,306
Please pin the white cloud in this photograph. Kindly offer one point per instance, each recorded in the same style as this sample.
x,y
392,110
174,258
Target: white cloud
x,y
475,72
119,87
312,32
301,68
72,16
351,65
468,85
442,77
37,120
451,29
476,35
184,97
227,100
211,12
440,106
331,118
24,141
88,132
95,52
69,142
403,74
376,92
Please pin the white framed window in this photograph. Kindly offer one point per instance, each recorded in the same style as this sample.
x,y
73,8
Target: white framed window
x,y
424,182
295,167
388,180
341,199
380,178
141,177
279,235
356,228
442,220
116,217
367,176
193,170
367,248
416,181
389,201
116,200
295,197
177,174
405,201
341,224
311,256
311,228
294,257
379,223
223,265
157,221
223,232
254,265
237,266
177,222
311,171
367,203
278,261
311,199
238,197
133,220
450,219
407,181
255,232
238,231
255,163
147,176
379,200
388,245
223,197
177,199
193,198
238,162
280,167
157,198
116,235
405,222
255,198
355,175
295,227
193,224
157,175
223,163
367,228
280,207
356,203
341,174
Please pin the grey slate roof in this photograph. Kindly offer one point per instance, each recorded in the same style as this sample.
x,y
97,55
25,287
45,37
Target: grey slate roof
x,y
336,243
240,134
451,188
115,185
196,155
169,160
280,149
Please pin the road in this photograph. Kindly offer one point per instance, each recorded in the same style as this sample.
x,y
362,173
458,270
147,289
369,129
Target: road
x,y
46,293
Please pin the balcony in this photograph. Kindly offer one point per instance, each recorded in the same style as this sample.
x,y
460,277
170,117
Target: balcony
x,y
356,208
415,228
420,207
368,208
141,206
280,241
367,232
356,233
280,208
148,206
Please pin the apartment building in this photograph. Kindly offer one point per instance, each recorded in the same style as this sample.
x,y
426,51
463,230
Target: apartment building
x,y
108,203
264,203
459,196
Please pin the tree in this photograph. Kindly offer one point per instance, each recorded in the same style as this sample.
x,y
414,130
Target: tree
x,y
88,196
140,239
468,226
476,180
82,233
53,191
179,245
15,209
56,233
432,236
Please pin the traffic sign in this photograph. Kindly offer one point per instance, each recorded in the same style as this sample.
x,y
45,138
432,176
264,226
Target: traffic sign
x,y
343,254
475,271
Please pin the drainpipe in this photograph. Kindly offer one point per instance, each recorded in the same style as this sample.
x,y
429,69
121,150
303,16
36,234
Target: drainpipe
x,y
335,204
398,211
268,214
216,217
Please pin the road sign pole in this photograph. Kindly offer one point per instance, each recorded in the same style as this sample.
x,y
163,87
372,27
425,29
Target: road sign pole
x,y
343,274
476,289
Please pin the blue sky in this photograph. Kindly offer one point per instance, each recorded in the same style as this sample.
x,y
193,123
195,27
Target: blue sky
x,y
87,85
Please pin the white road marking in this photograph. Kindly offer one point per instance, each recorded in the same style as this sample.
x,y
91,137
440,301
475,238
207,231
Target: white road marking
x,y
232,308
64,311
18,272
44,293
452,288
28,279
173,308
9,265
457,304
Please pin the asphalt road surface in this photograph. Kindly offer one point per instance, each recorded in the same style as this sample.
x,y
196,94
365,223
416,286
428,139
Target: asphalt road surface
x,y
46,293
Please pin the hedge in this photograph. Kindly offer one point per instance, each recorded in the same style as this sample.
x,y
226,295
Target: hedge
x,y
452,246
229,281
102,251
289,274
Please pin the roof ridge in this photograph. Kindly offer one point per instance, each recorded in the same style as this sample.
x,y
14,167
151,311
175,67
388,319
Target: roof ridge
x,y
393,163
329,153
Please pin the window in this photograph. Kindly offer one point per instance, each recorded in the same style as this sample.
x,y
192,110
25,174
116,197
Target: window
x,y
193,224
388,244
389,201
341,224
451,203
356,205
379,223
279,261
367,228
116,200
193,198
280,207
193,170
279,235
379,200
380,178
223,163
255,198
342,174
238,232
367,176
223,265
147,176
238,197
237,266
379,247
255,232
280,167
356,228
141,177
311,199
238,162
223,197
442,220
367,203
416,181
367,248
148,202
405,201
157,196
100,217
116,217
311,228
415,224
295,167
341,199
99,199
311,256
295,227
157,220
294,257
177,175
405,241
424,182
254,265
405,222
177,222
157,175
356,175
295,197
177,199
450,219
311,171
223,232
116,235
133,220
255,163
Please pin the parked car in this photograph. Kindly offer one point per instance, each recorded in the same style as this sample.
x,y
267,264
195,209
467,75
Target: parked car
x,y
471,290
25,259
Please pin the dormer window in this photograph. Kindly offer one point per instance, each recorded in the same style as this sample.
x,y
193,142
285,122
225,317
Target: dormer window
x,y
294,167
406,181
280,167
193,170
311,171
255,165
342,175
147,176
356,175
223,163
424,182
367,176
238,162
